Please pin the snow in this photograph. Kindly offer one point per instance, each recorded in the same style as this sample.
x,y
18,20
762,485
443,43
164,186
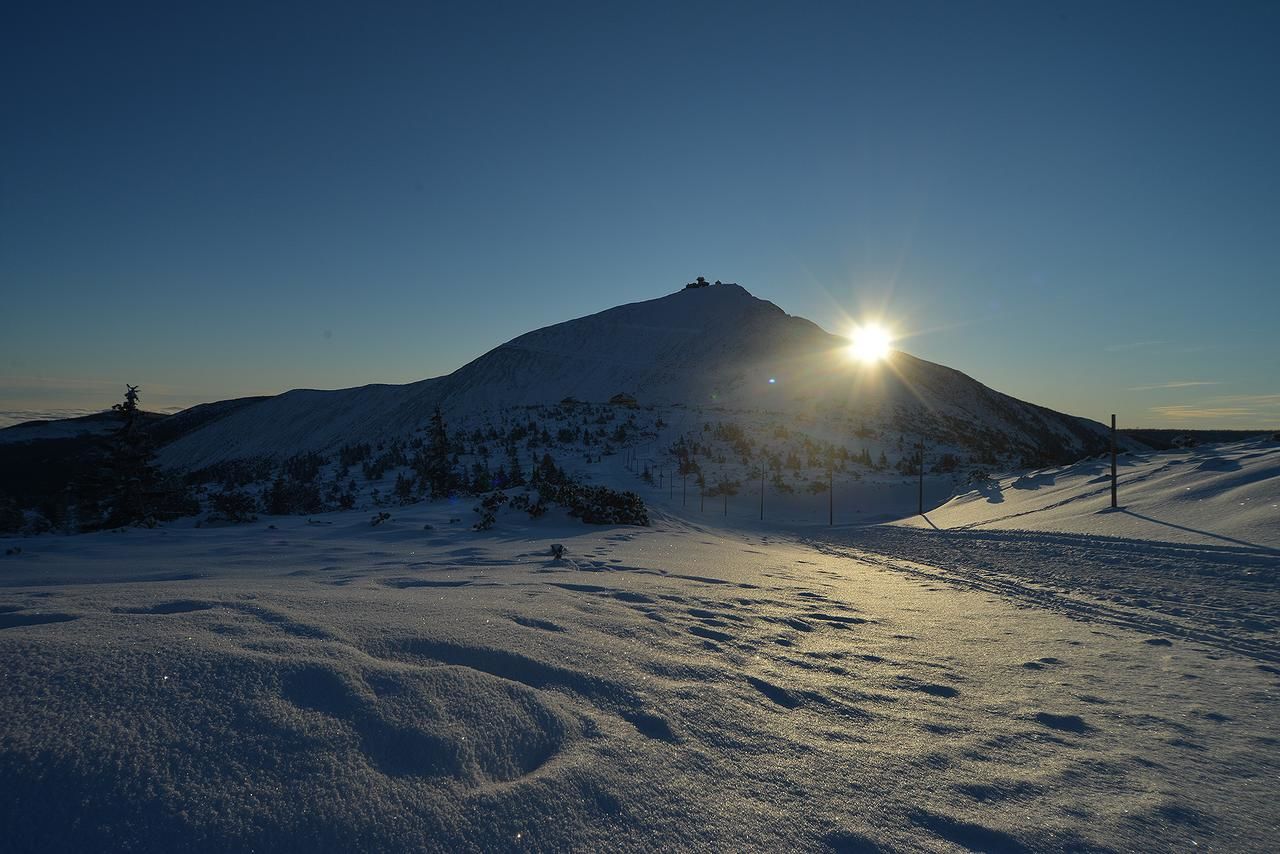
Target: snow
x,y
1020,669
1212,495
708,683
708,348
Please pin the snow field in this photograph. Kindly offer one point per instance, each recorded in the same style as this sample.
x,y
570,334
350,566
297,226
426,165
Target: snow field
x,y
689,686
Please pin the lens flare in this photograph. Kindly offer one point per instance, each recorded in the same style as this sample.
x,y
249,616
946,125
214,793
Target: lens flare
x,y
870,343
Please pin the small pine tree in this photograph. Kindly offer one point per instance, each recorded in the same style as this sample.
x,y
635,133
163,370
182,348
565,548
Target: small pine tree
x,y
404,489
548,472
347,500
515,472
480,479
123,485
727,488
441,477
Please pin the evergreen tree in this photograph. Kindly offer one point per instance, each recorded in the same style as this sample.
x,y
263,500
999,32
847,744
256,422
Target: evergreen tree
x,y
513,465
441,478
122,486
548,472
480,480
726,488
135,472
404,488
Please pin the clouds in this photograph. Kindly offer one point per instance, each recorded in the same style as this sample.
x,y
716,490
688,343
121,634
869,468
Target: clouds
x,y
1175,384
1230,410
1186,412
9,417
1238,409
1132,345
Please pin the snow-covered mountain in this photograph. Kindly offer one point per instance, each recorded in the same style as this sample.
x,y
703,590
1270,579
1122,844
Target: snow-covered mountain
x,y
713,347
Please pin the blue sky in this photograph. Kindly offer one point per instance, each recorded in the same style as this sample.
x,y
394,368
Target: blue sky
x,y
1077,204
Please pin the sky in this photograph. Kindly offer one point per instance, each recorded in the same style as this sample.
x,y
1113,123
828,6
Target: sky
x,y
1075,203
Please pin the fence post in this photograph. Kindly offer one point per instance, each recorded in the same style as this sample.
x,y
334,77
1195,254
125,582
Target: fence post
x,y
1113,459
920,463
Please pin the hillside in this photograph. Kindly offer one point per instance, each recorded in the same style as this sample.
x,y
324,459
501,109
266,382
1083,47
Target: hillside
x,y
717,347
1210,495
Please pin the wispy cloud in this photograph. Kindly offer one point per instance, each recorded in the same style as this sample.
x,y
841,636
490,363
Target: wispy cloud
x,y
1196,413
1132,345
1254,408
1258,401
1175,384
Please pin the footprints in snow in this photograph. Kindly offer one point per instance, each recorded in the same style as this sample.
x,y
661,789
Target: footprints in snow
x,y
178,606
536,623
933,689
710,634
407,725
741,624
1064,723
12,616
623,595
278,620
406,583
535,674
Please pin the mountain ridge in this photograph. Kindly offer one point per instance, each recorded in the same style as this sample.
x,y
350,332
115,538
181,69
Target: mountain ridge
x,y
717,347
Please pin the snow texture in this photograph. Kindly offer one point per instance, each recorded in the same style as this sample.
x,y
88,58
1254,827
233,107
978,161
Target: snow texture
x,y
1005,683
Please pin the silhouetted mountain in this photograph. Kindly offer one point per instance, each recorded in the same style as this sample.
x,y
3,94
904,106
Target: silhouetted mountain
x,y
713,347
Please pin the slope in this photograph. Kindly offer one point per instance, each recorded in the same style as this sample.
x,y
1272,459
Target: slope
x,y
1211,495
712,347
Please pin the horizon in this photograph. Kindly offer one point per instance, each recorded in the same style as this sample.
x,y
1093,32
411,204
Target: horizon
x,y
10,418
1077,209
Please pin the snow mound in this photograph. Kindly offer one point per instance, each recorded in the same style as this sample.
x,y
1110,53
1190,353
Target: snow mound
x,y
1210,495
420,686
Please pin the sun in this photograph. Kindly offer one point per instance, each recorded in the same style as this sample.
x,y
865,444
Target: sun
x,y
870,343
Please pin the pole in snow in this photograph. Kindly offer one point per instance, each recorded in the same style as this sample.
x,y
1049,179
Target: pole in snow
x,y
831,501
920,462
762,491
1113,459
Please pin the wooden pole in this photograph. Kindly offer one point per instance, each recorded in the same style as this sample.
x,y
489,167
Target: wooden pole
x,y
831,501
761,490
1113,459
920,462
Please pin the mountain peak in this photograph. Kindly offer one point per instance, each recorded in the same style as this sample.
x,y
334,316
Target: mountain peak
x,y
708,345
717,290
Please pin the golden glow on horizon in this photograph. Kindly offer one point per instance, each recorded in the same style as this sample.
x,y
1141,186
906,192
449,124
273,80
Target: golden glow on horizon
x,y
870,343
